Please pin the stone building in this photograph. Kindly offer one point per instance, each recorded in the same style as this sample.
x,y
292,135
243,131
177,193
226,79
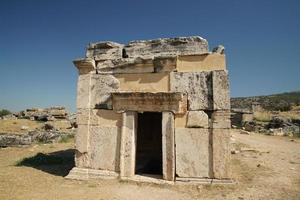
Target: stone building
x,y
156,108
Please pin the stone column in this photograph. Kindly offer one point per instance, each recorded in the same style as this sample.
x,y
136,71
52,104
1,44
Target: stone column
x,y
168,146
128,144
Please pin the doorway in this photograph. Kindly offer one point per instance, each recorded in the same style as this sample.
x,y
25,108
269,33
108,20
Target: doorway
x,y
149,143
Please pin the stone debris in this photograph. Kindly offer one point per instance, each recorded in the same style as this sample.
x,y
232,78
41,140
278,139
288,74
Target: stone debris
x,y
128,93
7,140
46,114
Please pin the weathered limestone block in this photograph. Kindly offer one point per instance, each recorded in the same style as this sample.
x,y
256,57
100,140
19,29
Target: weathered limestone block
x,y
104,50
220,86
168,146
99,117
167,46
150,82
81,138
192,152
221,153
128,144
126,66
221,119
147,101
101,88
203,62
164,63
197,85
83,91
84,65
81,159
104,147
197,119
181,120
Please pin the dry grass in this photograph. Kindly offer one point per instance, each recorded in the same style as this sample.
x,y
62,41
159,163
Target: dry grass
x,y
15,125
266,116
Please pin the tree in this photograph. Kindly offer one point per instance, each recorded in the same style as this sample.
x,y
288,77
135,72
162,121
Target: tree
x,y
4,112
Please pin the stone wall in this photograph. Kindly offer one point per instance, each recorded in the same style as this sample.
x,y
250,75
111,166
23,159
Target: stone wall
x,y
176,76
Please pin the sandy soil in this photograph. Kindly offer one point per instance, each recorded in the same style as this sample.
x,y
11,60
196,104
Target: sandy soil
x,y
267,167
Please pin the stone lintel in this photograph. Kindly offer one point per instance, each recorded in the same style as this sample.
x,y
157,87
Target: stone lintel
x,y
146,101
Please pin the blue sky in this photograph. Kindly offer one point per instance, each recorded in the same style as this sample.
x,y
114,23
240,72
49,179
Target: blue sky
x,y
40,38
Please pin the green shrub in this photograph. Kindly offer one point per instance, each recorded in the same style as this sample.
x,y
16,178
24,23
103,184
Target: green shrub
x,y
4,112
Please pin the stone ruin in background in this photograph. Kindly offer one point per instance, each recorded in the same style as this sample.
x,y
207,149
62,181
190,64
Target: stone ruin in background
x,y
153,108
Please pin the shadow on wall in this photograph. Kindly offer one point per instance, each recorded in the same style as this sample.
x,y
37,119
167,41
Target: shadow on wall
x,y
58,163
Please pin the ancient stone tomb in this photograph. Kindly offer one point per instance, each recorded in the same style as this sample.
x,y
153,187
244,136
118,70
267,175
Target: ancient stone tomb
x,y
156,108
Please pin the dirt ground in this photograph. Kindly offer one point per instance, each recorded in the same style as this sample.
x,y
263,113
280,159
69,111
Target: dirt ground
x,y
267,167
23,126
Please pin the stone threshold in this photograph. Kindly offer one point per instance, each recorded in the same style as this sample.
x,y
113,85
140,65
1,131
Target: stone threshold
x,y
87,174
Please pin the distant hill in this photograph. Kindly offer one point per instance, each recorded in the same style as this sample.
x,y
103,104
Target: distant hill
x,y
276,102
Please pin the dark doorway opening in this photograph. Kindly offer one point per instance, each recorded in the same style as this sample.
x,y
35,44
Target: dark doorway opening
x,y
149,143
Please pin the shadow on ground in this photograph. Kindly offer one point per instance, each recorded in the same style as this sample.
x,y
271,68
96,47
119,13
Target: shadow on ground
x,y
58,163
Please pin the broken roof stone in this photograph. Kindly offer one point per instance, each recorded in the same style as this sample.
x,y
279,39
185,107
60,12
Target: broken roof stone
x,y
167,46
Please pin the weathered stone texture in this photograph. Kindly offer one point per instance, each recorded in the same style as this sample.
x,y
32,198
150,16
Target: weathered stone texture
x,y
221,153
98,117
83,91
81,138
168,146
167,46
197,86
85,65
165,63
81,159
104,147
101,88
192,152
104,50
126,66
198,63
152,82
146,101
128,144
221,119
181,120
197,119
220,87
